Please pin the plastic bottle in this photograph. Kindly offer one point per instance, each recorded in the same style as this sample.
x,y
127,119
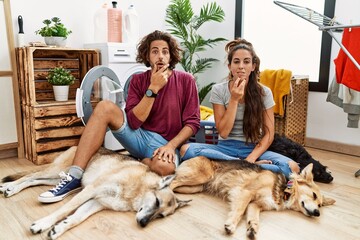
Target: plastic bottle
x,y
132,25
114,23
101,24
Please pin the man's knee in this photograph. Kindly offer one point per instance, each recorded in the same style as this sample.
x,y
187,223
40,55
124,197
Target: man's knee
x,y
110,113
106,107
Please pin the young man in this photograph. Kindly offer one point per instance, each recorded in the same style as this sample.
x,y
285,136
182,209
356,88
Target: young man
x,y
161,113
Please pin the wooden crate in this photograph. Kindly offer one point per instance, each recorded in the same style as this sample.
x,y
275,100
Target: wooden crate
x,y
49,126
34,64
293,123
50,129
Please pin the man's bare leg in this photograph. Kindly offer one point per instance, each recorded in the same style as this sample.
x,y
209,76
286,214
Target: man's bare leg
x,y
105,114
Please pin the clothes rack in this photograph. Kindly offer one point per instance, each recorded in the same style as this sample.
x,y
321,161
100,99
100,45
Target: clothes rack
x,y
324,23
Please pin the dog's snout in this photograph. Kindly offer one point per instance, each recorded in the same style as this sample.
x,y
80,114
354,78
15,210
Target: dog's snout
x,y
316,213
143,222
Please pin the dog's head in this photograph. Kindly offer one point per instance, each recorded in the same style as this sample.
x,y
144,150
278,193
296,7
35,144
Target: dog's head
x,y
321,173
305,195
159,202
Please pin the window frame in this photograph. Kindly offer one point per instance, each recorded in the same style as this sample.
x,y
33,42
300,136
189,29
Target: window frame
x,y
326,41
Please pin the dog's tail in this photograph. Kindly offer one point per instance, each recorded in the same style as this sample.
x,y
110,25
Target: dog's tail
x,y
16,176
12,177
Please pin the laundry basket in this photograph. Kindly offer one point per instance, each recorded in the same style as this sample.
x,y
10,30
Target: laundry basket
x,y
293,123
206,134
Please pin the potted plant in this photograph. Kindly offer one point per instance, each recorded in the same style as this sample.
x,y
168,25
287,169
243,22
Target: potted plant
x,y
54,32
60,78
184,25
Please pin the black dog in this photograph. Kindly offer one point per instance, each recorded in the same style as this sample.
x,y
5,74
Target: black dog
x,y
296,152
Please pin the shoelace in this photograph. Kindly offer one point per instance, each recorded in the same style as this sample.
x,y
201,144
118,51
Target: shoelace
x,y
65,178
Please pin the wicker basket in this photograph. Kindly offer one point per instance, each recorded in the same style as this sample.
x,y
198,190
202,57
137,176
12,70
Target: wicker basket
x,y
291,125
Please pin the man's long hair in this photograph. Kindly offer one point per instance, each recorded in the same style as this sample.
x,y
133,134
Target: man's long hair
x,y
144,48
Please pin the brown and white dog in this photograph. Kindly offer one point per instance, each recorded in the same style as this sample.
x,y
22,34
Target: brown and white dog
x,y
110,181
248,187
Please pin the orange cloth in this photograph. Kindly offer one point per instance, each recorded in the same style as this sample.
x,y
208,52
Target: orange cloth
x,y
279,83
346,71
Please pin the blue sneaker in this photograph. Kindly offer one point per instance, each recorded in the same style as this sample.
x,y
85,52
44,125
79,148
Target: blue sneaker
x,y
65,187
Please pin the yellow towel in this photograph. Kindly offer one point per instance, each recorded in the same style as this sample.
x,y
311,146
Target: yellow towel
x,y
279,83
205,112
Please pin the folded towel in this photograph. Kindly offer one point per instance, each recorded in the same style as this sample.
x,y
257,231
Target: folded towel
x,y
279,83
205,112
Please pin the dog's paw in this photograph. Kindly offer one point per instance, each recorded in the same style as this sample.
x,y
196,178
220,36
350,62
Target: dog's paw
x,y
40,226
57,230
251,233
8,189
229,228
2,188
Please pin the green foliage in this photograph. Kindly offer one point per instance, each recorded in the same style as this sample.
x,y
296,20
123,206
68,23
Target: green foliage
x,y
60,76
184,25
53,28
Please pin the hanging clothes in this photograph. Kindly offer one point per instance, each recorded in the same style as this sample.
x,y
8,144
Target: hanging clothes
x,y
346,71
346,98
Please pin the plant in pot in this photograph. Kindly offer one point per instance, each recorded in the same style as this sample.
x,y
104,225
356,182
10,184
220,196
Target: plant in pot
x,y
184,25
61,79
54,32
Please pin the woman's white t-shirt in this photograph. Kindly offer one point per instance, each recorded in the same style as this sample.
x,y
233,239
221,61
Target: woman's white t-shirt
x,y
220,94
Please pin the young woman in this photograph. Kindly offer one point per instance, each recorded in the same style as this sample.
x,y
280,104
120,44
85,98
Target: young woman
x,y
244,117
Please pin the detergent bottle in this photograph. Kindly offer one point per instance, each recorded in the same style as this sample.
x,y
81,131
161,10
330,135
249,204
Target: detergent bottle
x,y
132,25
108,24
114,23
101,24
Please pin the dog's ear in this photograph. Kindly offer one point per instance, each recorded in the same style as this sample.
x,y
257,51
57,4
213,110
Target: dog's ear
x,y
327,201
307,174
181,203
165,181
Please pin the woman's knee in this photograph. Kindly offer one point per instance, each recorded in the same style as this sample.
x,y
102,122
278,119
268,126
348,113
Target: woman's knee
x,y
294,166
183,149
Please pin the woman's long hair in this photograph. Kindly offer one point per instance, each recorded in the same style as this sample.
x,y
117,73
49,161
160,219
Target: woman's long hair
x,y
254,105
144,48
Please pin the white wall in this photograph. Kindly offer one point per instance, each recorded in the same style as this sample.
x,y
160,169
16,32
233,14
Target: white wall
x,y
325,120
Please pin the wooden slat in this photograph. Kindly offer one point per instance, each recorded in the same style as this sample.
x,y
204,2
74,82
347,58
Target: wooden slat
x,y
45,158
6,73
54,110
59,121
59,132
52,63
56,144
42,74
47,95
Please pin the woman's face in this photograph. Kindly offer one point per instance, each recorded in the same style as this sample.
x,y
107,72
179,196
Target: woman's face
x,y
241,64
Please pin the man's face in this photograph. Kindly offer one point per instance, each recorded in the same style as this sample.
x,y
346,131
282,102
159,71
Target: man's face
x,y
159,54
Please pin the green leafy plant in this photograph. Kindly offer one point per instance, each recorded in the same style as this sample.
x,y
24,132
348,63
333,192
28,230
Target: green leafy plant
x,y
53,28
60,76
184,25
